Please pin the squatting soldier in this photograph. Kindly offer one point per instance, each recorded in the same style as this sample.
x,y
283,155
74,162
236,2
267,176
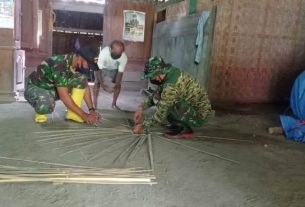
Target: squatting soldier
x,y
57,78
183,101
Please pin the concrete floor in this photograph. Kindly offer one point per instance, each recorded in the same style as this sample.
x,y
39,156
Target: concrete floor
x,y
271,170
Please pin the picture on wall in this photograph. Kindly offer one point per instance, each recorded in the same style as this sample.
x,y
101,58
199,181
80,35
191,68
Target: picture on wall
x,y
134,26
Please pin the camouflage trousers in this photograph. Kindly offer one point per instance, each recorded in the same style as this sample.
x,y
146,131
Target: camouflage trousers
x,y
186,114
42,100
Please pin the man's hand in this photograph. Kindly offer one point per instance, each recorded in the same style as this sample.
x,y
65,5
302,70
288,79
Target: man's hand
x,y
90,118
94,113
138,115
138,129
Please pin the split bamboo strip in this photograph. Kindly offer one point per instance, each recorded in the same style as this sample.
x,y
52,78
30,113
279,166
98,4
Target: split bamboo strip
x,y
223,138
150,151
80,182
82,130
76,171
84,180
110,147
133,143
201,151
100,171
77,144
137,147
116,171
69,139
96,142
3,175
45,163
70,169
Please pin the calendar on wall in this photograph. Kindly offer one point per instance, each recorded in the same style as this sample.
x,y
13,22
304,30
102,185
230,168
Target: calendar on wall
x,y
134,26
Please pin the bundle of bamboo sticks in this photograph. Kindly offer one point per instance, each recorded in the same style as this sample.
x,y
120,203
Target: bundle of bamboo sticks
x,y
77,139
65,173
74,140
13,174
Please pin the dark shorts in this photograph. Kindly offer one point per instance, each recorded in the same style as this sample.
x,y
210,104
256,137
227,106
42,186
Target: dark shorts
x,y
108,74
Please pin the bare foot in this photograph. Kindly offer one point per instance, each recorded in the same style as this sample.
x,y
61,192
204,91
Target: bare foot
x,y
116,107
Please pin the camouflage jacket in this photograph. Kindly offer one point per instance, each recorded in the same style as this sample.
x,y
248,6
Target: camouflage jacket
x,y
57,72
178,86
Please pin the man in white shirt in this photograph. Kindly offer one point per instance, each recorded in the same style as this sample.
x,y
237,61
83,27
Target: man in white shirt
x,y
112,62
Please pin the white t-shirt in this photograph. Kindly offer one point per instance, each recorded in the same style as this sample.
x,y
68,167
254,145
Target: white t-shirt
x,y
105,60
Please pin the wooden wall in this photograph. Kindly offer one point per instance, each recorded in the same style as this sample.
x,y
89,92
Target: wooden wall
x,y
137,52
179,9
259,49
29,13
7,65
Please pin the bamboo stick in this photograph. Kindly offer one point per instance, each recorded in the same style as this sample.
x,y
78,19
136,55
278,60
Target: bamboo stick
x,y
81,130
137,147
84,133
223,138
133,143
96,142
58,140
64,170
77,180
133,148
77,144
69,169
84,142
201,151
81,182
70,137
74,175
101,152
150,151
75,171
45,163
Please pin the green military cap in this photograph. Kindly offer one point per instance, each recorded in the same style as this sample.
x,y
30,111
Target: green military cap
x,y
154,67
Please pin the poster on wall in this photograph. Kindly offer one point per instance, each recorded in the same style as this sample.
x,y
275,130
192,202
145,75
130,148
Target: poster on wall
x,y
7,14
134,26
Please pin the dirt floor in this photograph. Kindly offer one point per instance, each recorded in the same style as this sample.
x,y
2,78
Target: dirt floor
x,y
271,170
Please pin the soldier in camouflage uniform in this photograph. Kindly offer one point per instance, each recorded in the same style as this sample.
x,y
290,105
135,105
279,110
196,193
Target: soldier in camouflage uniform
x,y
55,78
183,101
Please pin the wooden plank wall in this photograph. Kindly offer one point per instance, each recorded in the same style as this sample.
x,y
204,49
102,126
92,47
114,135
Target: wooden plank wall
x,y
179,9
36,53
7,50
137,52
